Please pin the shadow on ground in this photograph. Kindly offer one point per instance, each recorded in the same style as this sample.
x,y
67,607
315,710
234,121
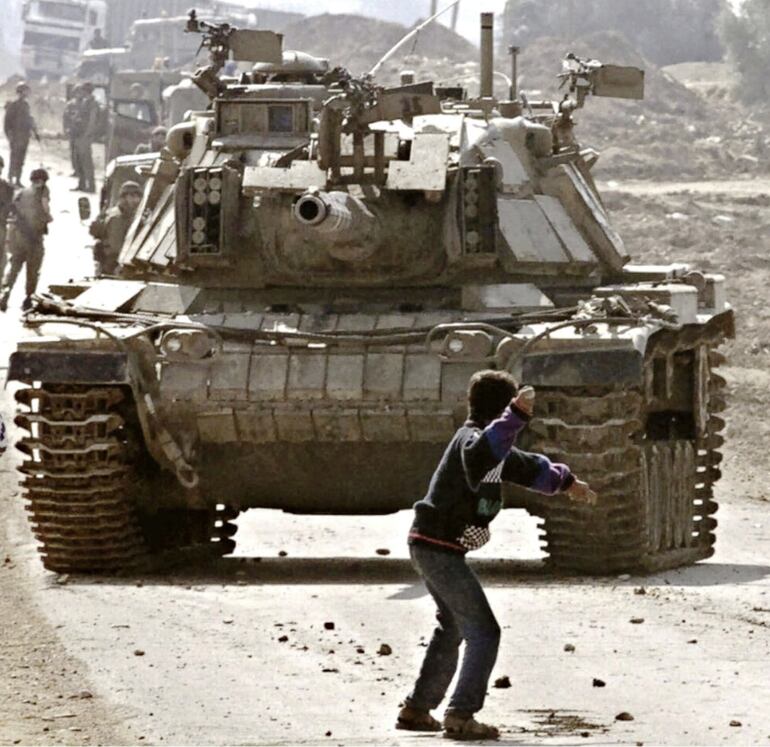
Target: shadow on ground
x,y
350,570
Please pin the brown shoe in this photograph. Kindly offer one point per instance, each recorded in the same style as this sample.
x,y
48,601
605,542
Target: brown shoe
x,y
466,728
412,719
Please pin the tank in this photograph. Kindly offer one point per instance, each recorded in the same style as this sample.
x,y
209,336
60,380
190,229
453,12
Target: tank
x,y
308,285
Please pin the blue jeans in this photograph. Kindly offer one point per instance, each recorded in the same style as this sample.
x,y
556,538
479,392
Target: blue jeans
x,y
463,614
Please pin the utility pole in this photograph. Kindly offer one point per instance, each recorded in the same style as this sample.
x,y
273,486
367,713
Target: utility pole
x,y
455,14
433,7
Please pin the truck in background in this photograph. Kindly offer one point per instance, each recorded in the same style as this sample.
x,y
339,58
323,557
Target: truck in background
x,y
121,14
56,32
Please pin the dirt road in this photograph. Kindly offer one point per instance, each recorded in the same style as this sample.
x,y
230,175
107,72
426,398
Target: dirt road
x,y
734,188
238,652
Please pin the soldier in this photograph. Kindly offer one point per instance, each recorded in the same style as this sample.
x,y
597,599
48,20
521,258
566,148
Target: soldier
x,y
19,125
98,41
157,141
86,127
69,125
110,230
6,198
30,216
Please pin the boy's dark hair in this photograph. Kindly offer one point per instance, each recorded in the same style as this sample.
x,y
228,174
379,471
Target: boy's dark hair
x,y
489,393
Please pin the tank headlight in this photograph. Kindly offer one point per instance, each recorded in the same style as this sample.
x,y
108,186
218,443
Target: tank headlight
x,y
173,344
467,345
456,345
187,344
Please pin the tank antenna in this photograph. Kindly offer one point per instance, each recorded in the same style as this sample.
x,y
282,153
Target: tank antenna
x,y
404,39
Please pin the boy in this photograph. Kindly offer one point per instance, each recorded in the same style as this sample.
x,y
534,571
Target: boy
x,y
453,518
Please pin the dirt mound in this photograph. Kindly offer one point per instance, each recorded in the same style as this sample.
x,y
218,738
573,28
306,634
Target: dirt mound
x,y
357,42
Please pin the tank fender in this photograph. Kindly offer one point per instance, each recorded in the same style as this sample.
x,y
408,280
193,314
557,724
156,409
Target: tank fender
x,y
66,367
584,368
572,358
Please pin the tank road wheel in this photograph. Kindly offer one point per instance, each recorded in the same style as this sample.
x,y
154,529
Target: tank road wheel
x,y
78,477
653,467
82,485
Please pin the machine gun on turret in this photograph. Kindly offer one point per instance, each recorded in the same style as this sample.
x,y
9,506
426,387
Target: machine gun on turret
x,y
228,42
583,76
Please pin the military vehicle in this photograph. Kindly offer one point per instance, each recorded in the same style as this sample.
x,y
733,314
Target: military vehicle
x,y
303,297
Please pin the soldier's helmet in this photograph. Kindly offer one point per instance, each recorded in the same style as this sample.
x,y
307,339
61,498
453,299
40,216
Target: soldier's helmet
x,y
39,175
87,87
129,188
21,86
160,130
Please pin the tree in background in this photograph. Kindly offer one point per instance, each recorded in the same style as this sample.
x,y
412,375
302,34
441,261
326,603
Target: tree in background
x,y
746,37
664,31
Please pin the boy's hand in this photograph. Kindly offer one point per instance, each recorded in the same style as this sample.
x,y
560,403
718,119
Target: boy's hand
x,y
525,399
580,492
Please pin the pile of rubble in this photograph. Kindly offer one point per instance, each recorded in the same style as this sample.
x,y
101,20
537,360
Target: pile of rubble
x,y
675,132
357,42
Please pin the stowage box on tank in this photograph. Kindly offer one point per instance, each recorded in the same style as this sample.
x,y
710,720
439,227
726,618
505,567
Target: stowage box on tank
x,y
317,267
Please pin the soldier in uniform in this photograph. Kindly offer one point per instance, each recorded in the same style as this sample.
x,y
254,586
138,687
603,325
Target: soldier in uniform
x,y
157,141
19,125
110,230
69,125
6,198
86,126
30,216
98,41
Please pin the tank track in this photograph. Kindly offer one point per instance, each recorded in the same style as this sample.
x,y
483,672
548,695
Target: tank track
x,y
656,507
80,484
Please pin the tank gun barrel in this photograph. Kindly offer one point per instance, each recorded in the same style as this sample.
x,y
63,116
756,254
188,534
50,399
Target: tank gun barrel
x,y
332,212
344,225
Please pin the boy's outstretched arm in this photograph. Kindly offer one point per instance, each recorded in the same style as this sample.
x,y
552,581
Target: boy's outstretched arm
x,y
537,472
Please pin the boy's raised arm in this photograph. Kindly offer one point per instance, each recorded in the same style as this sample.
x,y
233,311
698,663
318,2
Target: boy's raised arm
x,y
483,451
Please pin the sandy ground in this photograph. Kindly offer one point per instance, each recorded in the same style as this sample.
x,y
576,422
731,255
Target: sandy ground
x,y
197,657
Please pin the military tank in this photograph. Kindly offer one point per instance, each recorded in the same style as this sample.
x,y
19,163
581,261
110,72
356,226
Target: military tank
x,y
307,287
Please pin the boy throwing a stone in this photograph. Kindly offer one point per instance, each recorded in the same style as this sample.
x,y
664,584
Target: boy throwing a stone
x,y
453,518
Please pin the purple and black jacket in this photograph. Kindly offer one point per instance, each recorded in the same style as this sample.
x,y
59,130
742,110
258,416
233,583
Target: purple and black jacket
x,y
464,493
